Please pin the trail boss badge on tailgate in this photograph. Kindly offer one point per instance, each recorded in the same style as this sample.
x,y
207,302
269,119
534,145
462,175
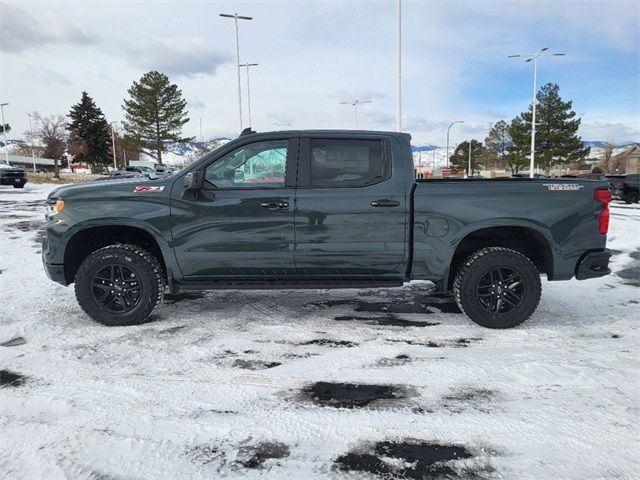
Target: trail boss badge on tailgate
x,y
148,189
557,187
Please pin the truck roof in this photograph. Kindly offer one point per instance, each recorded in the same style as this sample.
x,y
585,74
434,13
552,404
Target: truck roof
x,y
348,133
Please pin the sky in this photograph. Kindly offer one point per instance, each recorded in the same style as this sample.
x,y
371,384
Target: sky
x,y
313,55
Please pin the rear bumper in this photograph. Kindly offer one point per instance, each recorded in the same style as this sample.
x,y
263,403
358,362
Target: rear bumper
x,y
593,265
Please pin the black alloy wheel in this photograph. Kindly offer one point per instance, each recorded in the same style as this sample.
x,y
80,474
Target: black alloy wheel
x,y
116,288
500,290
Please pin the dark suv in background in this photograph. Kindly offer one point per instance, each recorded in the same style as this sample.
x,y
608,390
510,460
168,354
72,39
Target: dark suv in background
x,y
626,188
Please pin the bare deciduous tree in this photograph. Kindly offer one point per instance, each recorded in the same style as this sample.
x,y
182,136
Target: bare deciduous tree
x,y
51,131
607,153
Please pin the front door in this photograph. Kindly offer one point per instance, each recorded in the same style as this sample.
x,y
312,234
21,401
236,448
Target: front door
x,y
241,222
351,210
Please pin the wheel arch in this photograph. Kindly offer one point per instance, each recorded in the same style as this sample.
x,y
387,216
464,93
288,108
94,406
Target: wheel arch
x,y
92,238
526,240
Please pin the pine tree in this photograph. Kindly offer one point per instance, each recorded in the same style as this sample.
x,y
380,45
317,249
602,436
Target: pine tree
x,y
5,128
519,150
155,113
89,139
460,158
557,141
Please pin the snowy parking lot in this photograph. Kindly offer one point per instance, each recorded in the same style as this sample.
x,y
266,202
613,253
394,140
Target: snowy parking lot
x,y
389,383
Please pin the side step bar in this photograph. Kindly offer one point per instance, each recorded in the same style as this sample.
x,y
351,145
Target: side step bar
x,y
284,284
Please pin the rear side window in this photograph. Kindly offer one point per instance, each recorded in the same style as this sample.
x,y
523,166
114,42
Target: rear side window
x,y
348,163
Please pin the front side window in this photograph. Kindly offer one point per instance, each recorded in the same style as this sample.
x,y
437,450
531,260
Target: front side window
x,y
257,165
347,163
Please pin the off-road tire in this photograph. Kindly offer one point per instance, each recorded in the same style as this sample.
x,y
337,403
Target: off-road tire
x,y
148,270
476,266
631,197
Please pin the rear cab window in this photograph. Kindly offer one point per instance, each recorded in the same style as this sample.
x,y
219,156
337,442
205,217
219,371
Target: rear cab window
x,y
334,163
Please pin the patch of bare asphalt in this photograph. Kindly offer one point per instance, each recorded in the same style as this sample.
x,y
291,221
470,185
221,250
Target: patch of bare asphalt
x,y
11,379
259,456
355,395
414,459
254,364
255,456
14,342
455,343
385,320
631,274
328,342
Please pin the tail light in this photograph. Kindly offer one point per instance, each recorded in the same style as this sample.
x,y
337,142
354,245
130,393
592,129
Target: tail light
x,y
603,197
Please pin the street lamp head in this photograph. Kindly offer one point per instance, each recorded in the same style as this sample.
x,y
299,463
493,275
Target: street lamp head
x,y
235,15
528,60
3,104
514,56
544,49
559,54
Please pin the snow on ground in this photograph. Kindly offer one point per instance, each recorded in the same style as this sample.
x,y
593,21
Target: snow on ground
x,y
316,384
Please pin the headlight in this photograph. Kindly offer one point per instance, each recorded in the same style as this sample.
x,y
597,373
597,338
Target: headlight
x,y
53,206
59,205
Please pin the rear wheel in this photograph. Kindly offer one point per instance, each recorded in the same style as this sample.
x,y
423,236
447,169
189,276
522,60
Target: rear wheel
x,y
632,197
497,287
119,285
18,185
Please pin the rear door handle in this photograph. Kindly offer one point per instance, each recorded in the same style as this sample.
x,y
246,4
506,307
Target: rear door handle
x,y
275,205
385,203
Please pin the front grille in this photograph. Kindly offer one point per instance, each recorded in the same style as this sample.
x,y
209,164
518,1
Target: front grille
x,y
13,174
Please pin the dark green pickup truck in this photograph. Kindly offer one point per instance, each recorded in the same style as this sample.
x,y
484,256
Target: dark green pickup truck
x,y
322,209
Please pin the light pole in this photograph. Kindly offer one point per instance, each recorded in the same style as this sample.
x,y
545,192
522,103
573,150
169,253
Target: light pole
x,y
113,144
237,17
534,57
355,104
248,87
33,157
469,172
4,134
448,130
399,86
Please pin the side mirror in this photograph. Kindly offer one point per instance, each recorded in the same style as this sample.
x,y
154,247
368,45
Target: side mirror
x,y
193,180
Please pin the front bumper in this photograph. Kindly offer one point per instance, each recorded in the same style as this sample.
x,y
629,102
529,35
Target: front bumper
x,y
593,265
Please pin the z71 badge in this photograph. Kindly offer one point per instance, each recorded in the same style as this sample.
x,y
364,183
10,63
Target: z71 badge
x,y
557,187
148,189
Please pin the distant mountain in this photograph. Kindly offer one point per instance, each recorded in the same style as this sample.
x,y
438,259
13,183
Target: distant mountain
x,y
423,148
184,153
602,144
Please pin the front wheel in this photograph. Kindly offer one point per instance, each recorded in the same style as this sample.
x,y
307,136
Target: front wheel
x,y
18,185
119,285
497,287
632,197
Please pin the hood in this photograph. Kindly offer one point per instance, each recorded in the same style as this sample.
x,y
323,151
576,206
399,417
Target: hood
x,y
103,187
4,166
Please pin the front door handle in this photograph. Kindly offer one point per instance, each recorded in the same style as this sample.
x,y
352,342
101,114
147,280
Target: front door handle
x,y
275,205
385,203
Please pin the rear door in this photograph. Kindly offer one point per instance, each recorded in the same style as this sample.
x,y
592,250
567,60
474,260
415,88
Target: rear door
x,y
240,224
351,209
